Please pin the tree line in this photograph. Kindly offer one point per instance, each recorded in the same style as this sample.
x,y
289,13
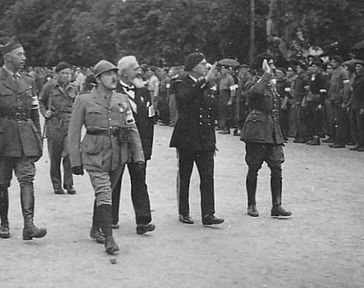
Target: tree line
x,y
161,32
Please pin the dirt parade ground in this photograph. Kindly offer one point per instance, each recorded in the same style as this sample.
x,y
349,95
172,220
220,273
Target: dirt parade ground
x,y
322,245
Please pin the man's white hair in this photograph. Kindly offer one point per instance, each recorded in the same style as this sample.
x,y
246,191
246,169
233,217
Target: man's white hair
x,y
125,62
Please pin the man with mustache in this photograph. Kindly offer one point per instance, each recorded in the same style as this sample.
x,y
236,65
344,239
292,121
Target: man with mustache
x,y
111,140
20,138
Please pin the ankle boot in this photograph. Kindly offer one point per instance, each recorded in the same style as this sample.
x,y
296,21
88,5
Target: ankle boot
x,y
251,187
4,208
104,215
30,231
95,232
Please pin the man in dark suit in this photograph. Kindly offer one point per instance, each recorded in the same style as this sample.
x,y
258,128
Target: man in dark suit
x,y
263,136
142,107
194,138
20,138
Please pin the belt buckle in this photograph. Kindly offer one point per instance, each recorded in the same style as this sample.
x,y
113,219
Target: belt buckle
x,y
17,116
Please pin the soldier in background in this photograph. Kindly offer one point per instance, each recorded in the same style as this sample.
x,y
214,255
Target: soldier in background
x,y
20,138
56,102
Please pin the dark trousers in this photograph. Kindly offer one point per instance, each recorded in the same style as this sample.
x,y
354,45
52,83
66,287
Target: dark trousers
x,y
301,118
314,119
256,154
284,122
139,195
205,165
358,127
58,153
341,124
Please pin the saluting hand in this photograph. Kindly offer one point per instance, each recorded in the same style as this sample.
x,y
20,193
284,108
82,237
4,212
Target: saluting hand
x,y
211,73
266,68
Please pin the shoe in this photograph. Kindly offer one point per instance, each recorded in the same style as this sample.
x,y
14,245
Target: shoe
x,y
279,211
70,190
58,191
360,149
224,132
31,231
350,143
211,220
4,231
236,132
97,235
143,228
314,141
328,140
252,211
337,145
354,148
115,226
299,140
186,219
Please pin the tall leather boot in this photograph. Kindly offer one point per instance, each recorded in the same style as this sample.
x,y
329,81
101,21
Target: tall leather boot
x,y
4,208
251,188
30,231
104,214
95,232
276,189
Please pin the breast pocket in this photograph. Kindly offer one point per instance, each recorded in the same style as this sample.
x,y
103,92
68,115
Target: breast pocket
x,y
254,127
94,117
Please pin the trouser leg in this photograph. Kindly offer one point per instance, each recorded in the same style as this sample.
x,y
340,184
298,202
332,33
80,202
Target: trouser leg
x,y
55,148
139,193
276,185
185,165
67,172
205,166
116,191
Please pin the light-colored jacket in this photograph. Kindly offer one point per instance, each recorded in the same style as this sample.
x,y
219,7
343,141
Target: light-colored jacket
x,y
102,148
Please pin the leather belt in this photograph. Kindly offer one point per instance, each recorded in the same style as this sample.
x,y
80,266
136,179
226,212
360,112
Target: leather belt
x,y
113,132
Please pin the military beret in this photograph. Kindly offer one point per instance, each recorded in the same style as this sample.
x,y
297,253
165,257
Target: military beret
x,y
62,65
193,59
10,46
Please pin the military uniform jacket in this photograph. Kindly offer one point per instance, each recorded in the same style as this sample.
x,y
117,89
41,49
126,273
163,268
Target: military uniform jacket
x,y
108,147
194,131
60,102
20,133
143,122
357,101
262,123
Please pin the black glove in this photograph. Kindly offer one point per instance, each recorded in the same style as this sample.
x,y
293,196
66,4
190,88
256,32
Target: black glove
x,y
78,170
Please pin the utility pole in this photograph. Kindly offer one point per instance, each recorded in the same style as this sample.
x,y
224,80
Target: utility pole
x,y
252,32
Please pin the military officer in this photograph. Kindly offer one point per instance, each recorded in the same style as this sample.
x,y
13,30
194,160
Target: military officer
x,y
263,136
111,140
56,101
194,138
20,138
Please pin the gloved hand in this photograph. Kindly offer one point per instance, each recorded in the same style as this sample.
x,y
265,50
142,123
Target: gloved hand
x,y
77,170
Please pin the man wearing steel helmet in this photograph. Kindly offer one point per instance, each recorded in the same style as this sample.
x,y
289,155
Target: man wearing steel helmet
x,y
111,140
20,138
